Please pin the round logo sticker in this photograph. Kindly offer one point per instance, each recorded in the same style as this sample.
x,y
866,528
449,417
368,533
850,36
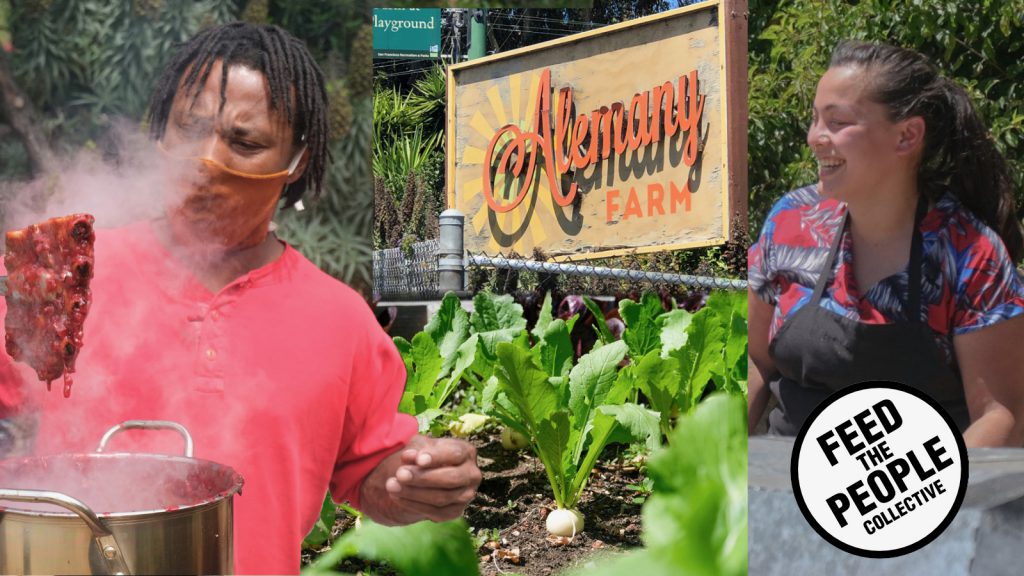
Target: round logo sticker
x,y
879,469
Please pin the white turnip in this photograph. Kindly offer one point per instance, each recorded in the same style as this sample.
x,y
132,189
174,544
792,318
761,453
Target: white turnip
x,y
512,439
562,522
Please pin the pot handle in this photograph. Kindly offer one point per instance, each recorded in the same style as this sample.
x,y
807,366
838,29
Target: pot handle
x,y
105,540
149,425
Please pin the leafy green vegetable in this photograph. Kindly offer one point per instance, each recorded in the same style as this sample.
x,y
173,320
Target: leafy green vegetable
x,y
642,334
673,330
436,361
544,318
421,549
699,506
449,328
696,349
695,521
604,333
568,420
731,310
423,366
467,425
555,348
495,319
700,358
660,381
492,313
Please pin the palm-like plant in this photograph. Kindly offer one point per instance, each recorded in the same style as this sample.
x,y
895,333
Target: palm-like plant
x,y
395,161
388,114
425,105
408,138
84,62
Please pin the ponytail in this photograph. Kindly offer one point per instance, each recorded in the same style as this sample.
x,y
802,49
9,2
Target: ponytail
x,y
965,160
959,155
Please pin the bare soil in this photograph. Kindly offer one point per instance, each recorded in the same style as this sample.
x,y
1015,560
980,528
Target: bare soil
x,y
514,499
508,515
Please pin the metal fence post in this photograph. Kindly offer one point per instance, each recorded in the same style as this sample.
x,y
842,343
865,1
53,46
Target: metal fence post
x,y
450,265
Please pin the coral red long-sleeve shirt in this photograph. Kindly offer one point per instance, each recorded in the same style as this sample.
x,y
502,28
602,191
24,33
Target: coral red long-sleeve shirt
x,y
284,375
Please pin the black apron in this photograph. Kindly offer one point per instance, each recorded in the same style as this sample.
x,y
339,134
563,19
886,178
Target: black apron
x,y
818,352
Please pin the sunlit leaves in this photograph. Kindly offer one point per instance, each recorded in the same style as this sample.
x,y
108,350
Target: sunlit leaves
x,y
978,44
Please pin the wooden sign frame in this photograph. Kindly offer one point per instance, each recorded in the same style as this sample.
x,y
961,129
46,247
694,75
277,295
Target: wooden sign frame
x,y
732,19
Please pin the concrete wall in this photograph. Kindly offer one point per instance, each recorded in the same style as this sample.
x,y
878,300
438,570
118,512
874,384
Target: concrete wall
x,y
986,537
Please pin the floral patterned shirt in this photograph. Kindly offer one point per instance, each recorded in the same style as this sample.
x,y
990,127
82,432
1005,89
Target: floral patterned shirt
x,y
967,279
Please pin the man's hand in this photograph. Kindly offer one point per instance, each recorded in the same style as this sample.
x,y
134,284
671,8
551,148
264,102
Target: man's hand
x,y
430,479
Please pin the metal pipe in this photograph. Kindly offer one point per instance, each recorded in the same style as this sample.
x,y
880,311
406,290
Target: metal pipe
x,y
450,264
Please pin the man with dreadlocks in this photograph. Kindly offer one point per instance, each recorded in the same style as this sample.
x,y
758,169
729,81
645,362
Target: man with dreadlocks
x,y
204,317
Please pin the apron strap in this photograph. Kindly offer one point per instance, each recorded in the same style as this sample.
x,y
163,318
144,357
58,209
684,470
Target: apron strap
x,y
826,270
913,312
914,267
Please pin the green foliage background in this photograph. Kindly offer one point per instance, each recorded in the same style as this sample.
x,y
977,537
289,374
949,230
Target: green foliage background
x,y
979,44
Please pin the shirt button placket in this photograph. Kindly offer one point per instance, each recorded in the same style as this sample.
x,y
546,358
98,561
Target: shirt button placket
x,y
208,338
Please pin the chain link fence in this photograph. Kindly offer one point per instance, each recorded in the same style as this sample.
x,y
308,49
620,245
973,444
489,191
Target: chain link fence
x,y
412,273
598,279
407,273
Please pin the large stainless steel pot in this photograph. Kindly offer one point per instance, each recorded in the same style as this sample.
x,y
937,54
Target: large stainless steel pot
x,y
123,513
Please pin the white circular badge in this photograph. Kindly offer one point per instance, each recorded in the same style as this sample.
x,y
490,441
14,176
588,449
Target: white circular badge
x,y
879,469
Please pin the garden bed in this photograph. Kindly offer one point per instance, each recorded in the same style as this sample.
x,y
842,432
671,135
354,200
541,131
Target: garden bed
x,y
585,409
514,496
507,516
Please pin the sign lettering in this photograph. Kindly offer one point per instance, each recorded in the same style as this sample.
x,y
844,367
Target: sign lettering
x,y
674,108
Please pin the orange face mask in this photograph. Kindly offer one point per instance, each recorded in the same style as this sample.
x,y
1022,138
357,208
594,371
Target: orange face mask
x,y
216,207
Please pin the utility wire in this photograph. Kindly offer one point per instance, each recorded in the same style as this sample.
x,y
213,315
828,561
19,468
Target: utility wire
x,y
517,26
539,32
531,18
394,62
410,72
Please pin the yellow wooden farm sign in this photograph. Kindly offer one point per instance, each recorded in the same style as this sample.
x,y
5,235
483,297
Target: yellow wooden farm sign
x,y
602,143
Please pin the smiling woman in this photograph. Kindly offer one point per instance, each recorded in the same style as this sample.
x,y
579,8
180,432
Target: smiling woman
x,y
899,263
850,135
